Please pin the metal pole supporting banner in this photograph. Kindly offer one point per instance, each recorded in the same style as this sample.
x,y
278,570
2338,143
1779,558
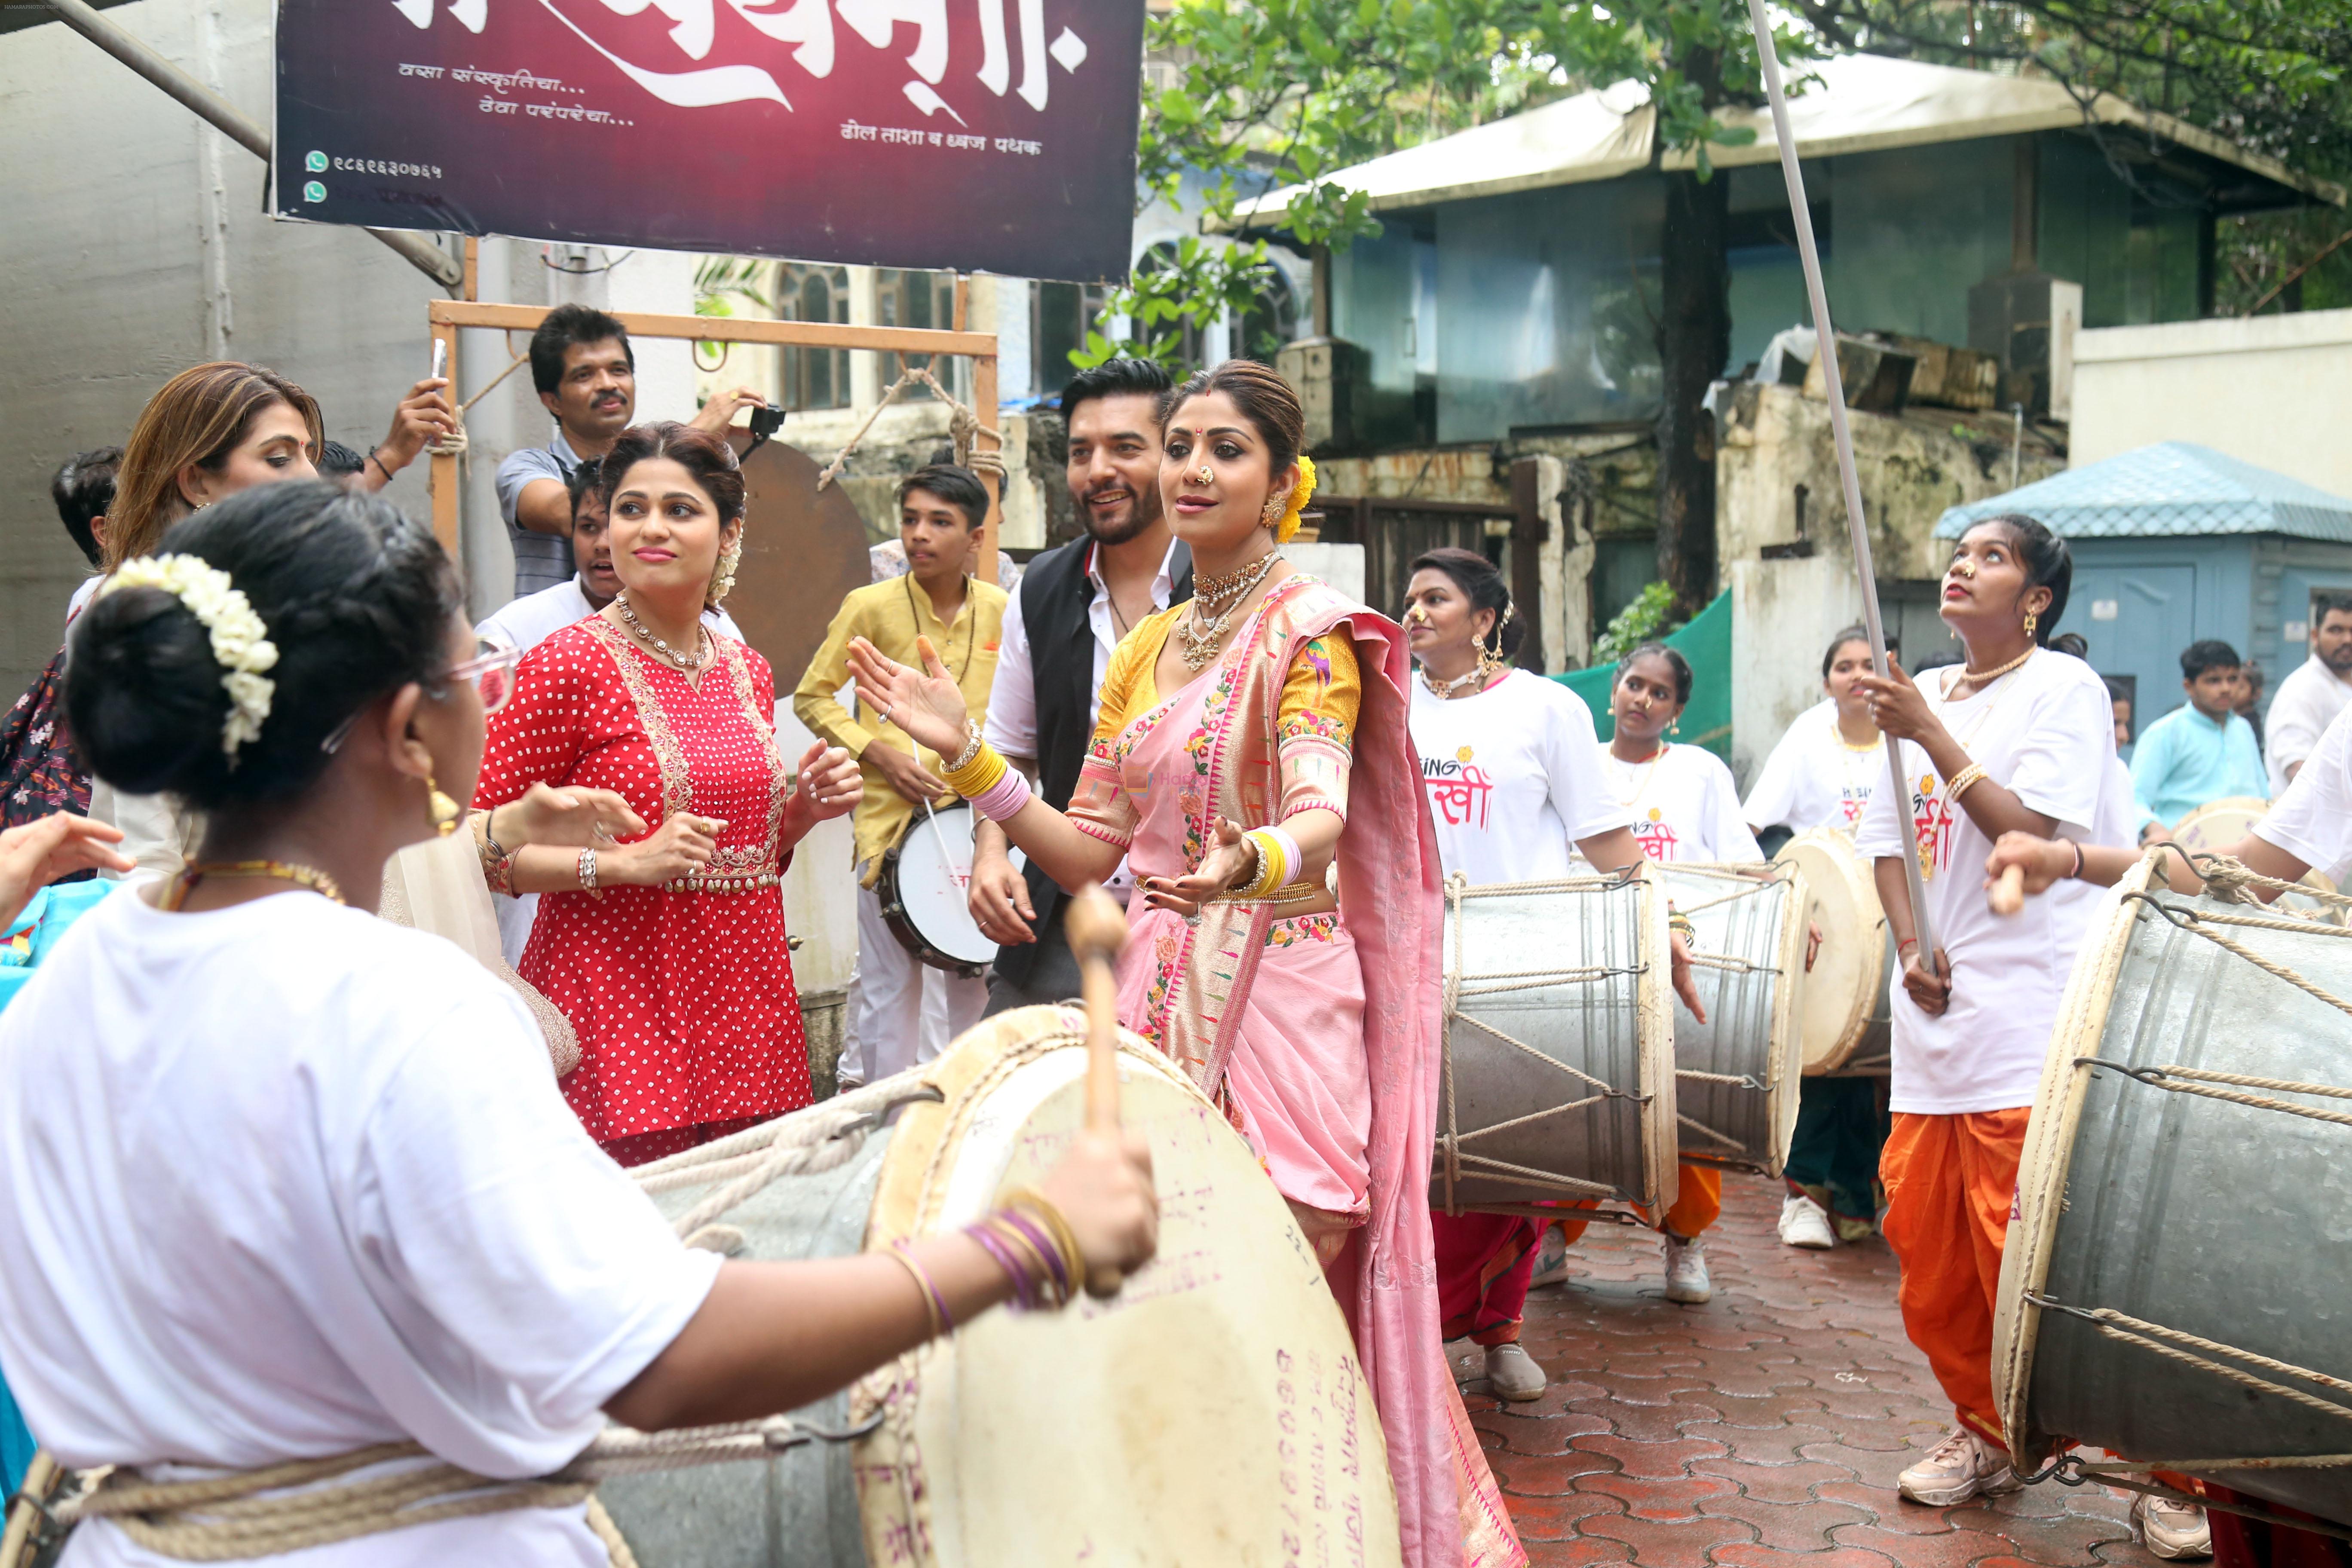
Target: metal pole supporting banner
x,y
1825,339
211,107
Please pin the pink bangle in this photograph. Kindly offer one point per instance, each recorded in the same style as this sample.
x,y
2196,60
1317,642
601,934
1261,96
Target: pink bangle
x,y
1002,800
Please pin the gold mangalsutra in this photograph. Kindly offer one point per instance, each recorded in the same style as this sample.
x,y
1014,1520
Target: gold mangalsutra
x,y
308,876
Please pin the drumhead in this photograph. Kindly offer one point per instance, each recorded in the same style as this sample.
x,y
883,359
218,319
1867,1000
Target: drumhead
x,y
2218,824
1655,994
2049,1150
1748,922
1179,1422
925,882
1847,983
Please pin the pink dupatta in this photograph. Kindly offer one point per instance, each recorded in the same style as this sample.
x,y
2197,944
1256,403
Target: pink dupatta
x,y
1449,1510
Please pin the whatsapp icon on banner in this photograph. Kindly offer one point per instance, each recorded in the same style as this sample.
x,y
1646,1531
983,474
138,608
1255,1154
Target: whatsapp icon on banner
x,y
315,162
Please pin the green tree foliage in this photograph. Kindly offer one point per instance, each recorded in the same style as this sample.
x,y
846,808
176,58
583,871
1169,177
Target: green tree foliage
x,y
1650,617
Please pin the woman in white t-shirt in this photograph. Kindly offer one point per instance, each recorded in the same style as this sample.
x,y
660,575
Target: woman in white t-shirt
x,y
1685,806
1821,775
279,1180
1509,769
2020,738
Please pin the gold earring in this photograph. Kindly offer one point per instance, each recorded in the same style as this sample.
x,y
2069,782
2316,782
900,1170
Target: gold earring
x,y
442,811
1676,728
2032,621
1273,510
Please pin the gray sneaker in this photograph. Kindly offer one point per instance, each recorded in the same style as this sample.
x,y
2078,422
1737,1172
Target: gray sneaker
x,y
1514,1372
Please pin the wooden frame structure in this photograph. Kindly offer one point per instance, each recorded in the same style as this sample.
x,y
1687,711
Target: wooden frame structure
x,y
448,318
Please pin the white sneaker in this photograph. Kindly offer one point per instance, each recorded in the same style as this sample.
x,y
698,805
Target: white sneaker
x,y
2173,1530
1960,1467
1551,1258
1804,1223
1687,1280
1514,1372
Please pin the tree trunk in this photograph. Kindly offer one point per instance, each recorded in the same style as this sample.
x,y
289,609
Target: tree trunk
x,y
1693,341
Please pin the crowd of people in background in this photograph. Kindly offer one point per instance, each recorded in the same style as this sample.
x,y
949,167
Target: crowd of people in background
x,y
632,812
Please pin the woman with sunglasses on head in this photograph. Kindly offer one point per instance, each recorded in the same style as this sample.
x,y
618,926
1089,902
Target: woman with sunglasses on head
x,y
1248,741
2020,738
1508,763
281,1180
667,951
1685,806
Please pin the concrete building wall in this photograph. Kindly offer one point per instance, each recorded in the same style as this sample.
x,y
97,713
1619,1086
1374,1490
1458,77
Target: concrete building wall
x,y
137,248
1773,442
2271,391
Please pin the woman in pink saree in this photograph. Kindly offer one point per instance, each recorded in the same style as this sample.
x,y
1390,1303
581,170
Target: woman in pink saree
x,y
1248,742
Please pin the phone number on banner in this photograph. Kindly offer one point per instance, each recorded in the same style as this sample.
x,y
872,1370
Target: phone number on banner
x,y
386,166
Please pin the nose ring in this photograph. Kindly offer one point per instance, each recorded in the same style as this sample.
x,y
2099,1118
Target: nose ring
x,y
1206,475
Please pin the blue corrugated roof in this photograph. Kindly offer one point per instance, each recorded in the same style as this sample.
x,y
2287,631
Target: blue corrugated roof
x,y
2171,489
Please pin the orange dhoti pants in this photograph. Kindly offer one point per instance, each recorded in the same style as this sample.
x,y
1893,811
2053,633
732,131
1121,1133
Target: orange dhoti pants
x,y
1950,1182
1699,1199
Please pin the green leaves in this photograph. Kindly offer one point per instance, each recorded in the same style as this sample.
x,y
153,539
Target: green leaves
x,y
1647,619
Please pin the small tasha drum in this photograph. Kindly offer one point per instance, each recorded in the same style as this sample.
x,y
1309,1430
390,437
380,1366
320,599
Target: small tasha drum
x,y
922,889
2174,1286
1848,1019
1212,1411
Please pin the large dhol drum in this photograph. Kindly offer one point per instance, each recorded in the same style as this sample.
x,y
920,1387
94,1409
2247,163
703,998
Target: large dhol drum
x,y
921,890
1558,1079
2175,1286
1187,1420
1736,1075
1847,1025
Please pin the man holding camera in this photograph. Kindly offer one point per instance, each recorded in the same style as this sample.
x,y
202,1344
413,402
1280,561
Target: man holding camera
x,y
586,375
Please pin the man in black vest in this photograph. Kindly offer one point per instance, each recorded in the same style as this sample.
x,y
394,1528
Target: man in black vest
x,y
1073,605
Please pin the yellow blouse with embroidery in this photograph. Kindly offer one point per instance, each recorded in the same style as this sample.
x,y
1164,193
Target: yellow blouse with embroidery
x,y
1314,735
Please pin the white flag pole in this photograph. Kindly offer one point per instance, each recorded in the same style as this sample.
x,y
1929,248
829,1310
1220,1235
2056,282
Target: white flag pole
x,y
1826,348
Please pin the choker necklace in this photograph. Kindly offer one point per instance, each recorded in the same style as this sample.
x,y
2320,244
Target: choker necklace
x,y
1446,688
308,876
1198,632
687,662
1996,673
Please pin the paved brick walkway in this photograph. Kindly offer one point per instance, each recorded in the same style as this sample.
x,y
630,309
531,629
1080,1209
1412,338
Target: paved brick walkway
x,y
1762,1430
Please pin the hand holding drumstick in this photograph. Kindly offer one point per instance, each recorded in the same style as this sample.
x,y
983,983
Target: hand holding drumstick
x,y
1096,931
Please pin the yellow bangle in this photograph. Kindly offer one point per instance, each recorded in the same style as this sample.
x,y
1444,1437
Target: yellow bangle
x,y
980,775
1273,865
1967,779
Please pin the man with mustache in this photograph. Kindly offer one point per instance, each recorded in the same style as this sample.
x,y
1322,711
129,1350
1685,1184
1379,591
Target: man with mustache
x,y
586,375
1075,604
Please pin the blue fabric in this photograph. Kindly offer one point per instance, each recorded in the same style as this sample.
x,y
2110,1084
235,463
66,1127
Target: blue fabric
x,y
16,1442
2184,759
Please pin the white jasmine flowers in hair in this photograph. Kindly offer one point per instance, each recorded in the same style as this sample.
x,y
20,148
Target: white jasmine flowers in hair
x,y
241,643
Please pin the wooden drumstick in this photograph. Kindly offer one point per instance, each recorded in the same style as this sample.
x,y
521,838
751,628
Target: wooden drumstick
x,y
1096,931
2007,895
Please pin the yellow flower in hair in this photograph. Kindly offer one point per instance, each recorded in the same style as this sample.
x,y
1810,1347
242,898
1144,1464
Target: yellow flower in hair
x,y
1298,496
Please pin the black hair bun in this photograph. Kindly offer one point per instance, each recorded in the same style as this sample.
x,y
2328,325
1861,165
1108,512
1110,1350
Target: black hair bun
x,y
144,694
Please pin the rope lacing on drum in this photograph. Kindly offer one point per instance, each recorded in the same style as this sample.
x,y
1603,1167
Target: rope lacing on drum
x,y
1458,892
2227,879
2199,922
2192,1080
2071,1469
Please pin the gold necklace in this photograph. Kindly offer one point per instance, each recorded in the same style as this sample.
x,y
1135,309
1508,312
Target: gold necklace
x,y
1446,690
1991,675
308,876
1198,634
687,662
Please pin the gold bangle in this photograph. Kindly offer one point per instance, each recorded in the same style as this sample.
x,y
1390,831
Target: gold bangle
x,y
1065,1238
1965,779
922,1287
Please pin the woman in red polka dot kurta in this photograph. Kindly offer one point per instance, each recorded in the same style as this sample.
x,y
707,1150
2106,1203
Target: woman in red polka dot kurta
x,y
673,967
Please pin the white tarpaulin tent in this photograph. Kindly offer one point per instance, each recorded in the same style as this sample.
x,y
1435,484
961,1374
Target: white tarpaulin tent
x,y
1852,103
